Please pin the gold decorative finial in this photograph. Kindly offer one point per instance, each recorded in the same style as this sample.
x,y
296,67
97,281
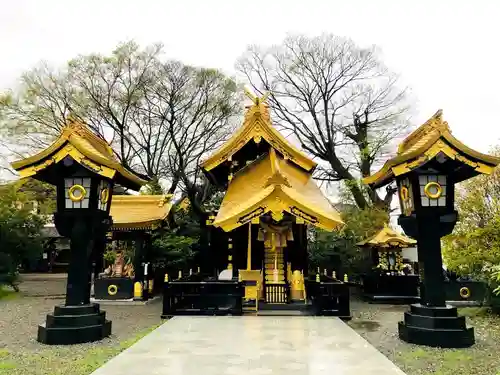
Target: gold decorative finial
x,y
256,99
72,120
435,123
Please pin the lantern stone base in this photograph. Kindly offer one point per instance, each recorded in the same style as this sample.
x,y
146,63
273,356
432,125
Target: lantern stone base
x,y
74,325
435,326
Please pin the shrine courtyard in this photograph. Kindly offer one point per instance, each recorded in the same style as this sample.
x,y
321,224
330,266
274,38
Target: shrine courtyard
x,y
20,353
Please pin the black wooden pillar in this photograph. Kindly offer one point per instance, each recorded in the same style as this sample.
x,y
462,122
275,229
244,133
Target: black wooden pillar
x,y
302,230
78,284
205,256
429,253
98,255
138,257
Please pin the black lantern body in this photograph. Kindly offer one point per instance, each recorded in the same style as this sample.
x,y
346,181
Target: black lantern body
x,y
426,197
83,168
428,165
83,204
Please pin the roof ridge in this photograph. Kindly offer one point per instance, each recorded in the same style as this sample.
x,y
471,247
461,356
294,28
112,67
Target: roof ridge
x,y
257,124
435,122
75,125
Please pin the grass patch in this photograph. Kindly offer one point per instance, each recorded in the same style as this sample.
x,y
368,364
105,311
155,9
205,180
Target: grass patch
x,y
472,312
64,360
96,357
7,294
481,359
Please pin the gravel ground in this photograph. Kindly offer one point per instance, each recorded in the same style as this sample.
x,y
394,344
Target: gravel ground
x,y
378,325
21,354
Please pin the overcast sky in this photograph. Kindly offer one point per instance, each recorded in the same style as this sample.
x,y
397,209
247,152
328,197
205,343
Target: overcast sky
x,y
446,51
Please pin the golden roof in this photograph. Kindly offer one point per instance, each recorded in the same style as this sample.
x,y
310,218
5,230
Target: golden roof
x,y
430,139
139,212
388,237
86,148
273,184
257,126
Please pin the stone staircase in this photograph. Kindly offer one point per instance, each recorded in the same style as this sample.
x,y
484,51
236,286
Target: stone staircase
x,y
274,274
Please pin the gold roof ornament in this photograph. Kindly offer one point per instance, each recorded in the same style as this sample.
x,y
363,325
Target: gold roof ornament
x,y
274,185
184,204
256,127
139,212
431,139
86,148
388,237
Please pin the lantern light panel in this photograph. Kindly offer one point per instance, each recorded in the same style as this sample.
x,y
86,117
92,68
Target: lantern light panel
x,y
432,190
77,192
406,196
104,195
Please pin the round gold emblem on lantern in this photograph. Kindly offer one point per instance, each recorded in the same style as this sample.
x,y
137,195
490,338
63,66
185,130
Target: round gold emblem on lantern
x,y
112,289
433,190
465,292
104,195
77,193
404,193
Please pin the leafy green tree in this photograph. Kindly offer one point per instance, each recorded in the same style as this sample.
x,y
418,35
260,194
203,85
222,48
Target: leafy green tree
x,y
35,192
338,250
20,237
474,246
175,248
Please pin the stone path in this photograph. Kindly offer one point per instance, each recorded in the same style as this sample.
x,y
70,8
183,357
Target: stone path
x,y
251,345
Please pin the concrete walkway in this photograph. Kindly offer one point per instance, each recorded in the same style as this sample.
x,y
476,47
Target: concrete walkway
x,y
251,345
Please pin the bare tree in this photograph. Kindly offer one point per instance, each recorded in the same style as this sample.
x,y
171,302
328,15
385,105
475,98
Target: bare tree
x,y
341,103
202,106
159,117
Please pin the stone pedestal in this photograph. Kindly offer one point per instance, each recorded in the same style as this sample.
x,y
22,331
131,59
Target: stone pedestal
x,y
74,325
432,322
77,321
435,326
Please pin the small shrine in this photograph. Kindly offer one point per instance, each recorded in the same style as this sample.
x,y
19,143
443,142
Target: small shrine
x,y
259,233
391,278
123,267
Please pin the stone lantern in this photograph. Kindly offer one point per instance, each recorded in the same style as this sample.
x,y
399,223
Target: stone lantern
x,y
83,168
428,164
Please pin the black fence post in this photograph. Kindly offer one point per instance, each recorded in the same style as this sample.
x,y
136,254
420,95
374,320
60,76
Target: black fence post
x,y
167,302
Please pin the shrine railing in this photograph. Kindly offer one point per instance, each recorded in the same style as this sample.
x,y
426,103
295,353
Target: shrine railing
x,y
202,298
391,286
330,298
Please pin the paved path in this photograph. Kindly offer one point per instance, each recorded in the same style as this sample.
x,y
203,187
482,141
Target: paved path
x,y
251,345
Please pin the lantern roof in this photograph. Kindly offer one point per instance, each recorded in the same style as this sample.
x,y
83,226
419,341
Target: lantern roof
x,y
139,212
86,148
257,127
424,144
388,237
272,184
